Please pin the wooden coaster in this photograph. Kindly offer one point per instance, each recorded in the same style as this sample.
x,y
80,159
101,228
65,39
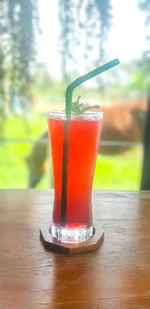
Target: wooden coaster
x,y
91,244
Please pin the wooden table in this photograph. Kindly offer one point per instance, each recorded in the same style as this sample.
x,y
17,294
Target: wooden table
x,y
115,276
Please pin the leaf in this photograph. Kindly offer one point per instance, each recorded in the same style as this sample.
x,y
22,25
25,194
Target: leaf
x,y
79,108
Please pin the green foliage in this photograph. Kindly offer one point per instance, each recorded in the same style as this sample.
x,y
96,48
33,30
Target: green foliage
x,y
136,75
121,172
96,24
18,23
14,172
80,108
105,16
2,92
140,81
45,86
42,80
145,6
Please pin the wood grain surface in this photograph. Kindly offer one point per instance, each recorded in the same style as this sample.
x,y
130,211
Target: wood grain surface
x,y
117,275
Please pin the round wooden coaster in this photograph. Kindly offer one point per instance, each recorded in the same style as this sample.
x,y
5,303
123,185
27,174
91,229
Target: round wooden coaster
x,y
91,244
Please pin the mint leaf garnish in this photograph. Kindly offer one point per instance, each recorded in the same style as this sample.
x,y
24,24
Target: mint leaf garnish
x,y
80,108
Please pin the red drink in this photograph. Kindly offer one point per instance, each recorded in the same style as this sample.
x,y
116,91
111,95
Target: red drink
x,y
83,139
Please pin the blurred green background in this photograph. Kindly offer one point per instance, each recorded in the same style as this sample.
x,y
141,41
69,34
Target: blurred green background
x,y
37,63
112,171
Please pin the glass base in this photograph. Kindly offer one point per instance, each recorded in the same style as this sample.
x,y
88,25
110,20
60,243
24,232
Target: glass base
x,y
68,235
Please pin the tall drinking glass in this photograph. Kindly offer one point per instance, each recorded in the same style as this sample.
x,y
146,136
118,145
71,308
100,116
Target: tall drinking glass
x,y
73,179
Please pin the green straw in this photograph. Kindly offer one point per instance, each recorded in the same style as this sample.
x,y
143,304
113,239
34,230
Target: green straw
x,y
69,91
84,78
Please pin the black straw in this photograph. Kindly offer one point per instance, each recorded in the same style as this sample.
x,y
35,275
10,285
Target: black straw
x,y
64,173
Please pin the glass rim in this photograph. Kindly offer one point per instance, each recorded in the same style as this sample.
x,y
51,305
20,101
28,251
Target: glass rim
x,y
56,114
